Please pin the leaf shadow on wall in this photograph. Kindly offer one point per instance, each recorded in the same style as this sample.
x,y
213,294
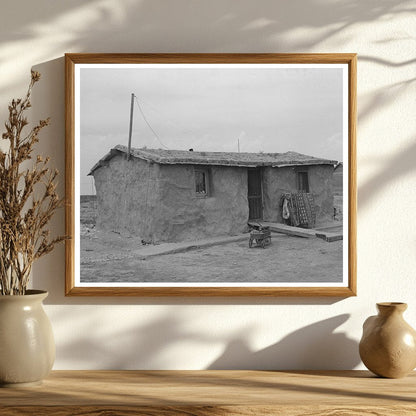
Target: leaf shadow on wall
x,y
393,169
313,347
140,347
221,26
402,163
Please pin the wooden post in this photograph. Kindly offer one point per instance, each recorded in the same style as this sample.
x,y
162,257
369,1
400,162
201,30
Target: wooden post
x,y
131,125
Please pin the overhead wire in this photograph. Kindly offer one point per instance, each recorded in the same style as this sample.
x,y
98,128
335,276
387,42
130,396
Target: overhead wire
x,y
148,124
167,119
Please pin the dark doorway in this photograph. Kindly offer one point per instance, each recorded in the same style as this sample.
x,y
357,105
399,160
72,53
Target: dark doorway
x,y
255,202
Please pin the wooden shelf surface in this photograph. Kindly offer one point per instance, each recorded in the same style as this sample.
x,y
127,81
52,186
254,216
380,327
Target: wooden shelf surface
x,y
203,393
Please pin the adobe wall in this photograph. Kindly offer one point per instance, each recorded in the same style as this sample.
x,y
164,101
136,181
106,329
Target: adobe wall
x,y
321,185
338,180
159,203
277,181
127,194
182,215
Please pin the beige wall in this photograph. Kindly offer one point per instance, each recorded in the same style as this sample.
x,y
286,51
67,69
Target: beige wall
x,y
192,333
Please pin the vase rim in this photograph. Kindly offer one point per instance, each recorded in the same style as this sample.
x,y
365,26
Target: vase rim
x,y
401,306
30,293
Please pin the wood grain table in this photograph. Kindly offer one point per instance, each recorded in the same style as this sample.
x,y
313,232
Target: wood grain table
x,y
202,393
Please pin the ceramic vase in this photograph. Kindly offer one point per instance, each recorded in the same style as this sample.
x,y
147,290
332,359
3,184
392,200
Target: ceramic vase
x,y
388,345
27,347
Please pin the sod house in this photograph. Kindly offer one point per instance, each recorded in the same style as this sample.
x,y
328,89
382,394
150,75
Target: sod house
x,y
176,195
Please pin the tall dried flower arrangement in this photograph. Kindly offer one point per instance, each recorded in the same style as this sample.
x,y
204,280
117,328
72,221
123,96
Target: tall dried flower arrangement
x,y
28,199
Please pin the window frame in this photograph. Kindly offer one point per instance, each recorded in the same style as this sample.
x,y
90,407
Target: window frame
x,y
207,181
299,182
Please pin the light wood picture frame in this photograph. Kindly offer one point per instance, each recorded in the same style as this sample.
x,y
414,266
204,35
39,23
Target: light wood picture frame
x,y
191,174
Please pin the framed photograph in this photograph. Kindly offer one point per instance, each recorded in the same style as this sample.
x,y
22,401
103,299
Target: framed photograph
x,y
211,174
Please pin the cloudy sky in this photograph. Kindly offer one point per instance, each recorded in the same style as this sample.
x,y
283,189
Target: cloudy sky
x,y
211,109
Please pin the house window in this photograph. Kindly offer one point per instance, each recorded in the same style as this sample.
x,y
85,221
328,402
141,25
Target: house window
x,y
303,181
202,182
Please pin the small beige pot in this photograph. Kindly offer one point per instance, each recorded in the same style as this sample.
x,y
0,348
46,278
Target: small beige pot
x,y
27,347
388,344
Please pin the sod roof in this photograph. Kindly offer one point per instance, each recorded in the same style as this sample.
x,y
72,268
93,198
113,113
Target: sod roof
x,y
186,157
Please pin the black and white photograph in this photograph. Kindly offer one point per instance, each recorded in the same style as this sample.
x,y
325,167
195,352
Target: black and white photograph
x,y
211,174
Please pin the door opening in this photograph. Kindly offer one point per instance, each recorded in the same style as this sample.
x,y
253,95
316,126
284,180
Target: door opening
x,y
255,200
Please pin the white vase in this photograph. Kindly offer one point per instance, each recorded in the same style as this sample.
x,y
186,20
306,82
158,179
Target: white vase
x,y
27,347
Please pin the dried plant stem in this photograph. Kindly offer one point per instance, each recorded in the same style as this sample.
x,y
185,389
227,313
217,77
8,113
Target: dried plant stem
x,y
23,217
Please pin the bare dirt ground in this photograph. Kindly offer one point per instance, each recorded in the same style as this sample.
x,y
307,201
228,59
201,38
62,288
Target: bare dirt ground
x,y
109,257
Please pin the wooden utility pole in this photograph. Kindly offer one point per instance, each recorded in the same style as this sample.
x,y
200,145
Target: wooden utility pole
x,y
131,125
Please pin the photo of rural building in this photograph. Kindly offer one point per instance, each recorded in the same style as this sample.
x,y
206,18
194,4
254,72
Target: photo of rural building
x,y
174,195
197,208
